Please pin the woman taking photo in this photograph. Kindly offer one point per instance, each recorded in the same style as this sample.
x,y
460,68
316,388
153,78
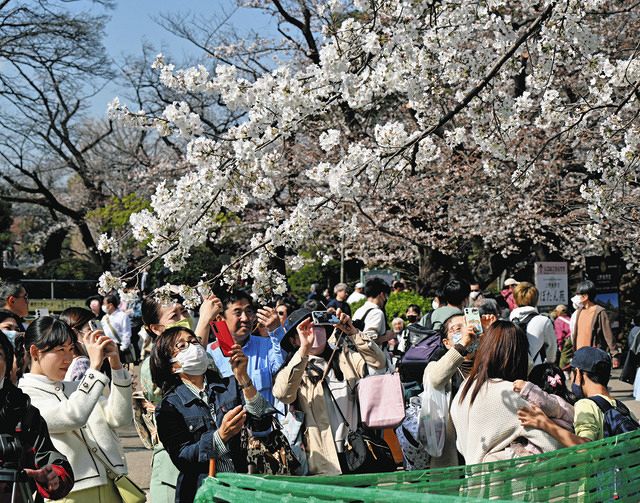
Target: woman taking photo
x,y
201,414
301,380
81,419
157,318
78,319
484,412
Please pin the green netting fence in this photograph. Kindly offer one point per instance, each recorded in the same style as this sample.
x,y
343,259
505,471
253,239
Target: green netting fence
x,y
606,470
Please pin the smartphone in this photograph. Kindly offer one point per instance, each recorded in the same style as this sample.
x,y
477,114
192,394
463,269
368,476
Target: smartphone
x,y
95,325
43,311
223,336
324,318
472,317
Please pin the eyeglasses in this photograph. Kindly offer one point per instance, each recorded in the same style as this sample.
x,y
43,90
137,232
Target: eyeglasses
x,y
182,344
25,296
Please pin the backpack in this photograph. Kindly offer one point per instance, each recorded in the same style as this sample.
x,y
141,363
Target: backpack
x,y
523,324
617,419
419,355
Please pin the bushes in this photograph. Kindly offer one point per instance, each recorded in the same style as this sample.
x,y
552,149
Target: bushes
x,y
398,303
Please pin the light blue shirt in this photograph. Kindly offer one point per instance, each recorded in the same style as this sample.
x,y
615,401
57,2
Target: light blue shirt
x,y
265,357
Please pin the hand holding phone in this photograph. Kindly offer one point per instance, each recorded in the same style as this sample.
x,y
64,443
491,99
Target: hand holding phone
x,y
95,325
223,336
472,318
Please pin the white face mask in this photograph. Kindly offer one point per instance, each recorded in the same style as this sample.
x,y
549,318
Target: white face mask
x,y
193,360
104,309
11,335
576,300
435,304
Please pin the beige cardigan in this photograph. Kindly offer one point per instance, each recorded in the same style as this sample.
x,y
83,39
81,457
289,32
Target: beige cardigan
x,y
438,374
81,407
292,382
490,424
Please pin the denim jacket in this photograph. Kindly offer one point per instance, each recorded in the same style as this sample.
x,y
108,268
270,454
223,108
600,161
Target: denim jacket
x,y
190,434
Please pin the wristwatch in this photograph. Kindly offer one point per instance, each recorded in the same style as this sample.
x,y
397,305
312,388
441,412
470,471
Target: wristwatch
x,y
245,385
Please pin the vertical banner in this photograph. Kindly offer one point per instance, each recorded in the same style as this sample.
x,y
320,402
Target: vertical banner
x,y
605,273
551,280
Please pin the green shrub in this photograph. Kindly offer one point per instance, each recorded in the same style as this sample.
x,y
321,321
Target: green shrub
x,y
399,302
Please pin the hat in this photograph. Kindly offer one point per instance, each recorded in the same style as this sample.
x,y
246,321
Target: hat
x,y
359,285
290,325
510,281
440,316
592,359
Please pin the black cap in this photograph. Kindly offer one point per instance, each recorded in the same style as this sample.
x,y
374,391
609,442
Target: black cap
x,y
592,359
290,325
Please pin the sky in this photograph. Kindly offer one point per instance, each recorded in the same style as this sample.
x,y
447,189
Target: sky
x,y
132,24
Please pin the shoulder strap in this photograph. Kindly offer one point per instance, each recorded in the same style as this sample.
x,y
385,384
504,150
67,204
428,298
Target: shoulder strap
x,y
325,385
602,404
113,330
107,465
366,313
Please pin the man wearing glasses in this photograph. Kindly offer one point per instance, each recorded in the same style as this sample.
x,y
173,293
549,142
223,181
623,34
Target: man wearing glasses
x,y
14,298
265,356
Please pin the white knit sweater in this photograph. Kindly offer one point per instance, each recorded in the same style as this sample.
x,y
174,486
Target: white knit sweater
x,y
81,407
491,423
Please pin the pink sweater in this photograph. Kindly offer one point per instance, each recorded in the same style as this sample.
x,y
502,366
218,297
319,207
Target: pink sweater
x,y
552,405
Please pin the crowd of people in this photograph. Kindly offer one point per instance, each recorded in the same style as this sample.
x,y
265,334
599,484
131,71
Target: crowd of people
x,y
278,388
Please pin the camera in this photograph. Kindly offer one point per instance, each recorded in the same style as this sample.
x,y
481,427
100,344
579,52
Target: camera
x,y
324,318
11,453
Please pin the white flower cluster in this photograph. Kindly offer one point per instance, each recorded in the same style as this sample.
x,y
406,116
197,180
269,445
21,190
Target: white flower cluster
x,y
388,75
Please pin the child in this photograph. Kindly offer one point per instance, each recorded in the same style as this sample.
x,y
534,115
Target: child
x,y
547,389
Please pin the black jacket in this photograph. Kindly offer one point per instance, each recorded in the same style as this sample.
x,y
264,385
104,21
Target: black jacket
x,y
23,421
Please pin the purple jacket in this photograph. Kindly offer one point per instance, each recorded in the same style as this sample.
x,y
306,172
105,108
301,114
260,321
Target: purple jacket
x,y
553,406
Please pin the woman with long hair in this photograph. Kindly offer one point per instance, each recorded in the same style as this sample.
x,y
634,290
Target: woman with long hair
x,y
81,419
484,412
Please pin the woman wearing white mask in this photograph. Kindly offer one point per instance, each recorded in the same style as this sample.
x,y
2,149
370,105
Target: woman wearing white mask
x,y
201,413
158,317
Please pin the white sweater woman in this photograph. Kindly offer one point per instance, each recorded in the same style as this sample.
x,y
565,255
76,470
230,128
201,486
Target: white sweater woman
x,y
81,419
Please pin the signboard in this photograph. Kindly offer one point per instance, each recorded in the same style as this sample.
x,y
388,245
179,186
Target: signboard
x,y
386,275
54,305
605,273
551,280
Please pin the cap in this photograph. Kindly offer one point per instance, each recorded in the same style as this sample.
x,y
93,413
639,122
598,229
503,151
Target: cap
x,y
440,316
510,281
591,359
359,285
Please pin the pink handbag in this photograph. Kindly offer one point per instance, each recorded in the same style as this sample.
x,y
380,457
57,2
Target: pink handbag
x,y
381,401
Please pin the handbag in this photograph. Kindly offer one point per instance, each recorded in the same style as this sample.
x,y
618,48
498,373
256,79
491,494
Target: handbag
x,y
268,454
381,401
128,490
364,452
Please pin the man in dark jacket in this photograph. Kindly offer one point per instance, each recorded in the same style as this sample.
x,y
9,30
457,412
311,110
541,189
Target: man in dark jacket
x,y
47,470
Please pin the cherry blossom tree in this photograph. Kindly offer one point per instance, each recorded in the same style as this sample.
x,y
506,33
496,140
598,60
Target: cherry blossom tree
x,y
409,128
